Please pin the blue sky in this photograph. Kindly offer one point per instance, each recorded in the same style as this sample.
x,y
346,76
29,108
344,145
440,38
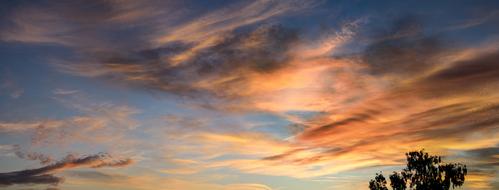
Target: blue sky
x,y
244,95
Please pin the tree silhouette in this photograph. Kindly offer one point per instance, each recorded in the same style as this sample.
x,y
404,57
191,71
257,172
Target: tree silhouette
x,y
378,183
423,172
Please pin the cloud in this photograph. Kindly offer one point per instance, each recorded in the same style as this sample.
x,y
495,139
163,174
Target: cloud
x,y
243,152
446,102
196,54
44,175
486,17
75,24
226,64
483,166
488,154
211,25
406,88
94,122
43,159
407,91
64,91
403,50
466,76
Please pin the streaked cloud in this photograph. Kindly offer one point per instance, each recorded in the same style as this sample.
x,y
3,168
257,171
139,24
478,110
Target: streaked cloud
x,y
43,159
60,91
91,126
44,174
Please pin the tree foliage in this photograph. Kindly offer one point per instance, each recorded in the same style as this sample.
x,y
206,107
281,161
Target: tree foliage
x,y
378,183
423,172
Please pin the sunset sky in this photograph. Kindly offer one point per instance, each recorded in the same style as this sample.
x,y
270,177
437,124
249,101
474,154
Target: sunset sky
x,y
244,95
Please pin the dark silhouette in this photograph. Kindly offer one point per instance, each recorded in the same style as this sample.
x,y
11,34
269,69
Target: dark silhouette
x,y
378,183
423,172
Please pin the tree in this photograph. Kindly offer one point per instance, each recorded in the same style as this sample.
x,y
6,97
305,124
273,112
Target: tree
x,y
378,183
398,181
423,172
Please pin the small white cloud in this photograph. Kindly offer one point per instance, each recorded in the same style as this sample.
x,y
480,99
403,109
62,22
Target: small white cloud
x,y
60,91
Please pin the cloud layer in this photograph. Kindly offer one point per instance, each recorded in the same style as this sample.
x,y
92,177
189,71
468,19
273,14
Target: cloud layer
x,y
352,97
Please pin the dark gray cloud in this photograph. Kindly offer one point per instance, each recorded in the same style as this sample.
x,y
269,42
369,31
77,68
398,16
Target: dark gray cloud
x,y
260,50
355,118
43,159
454,123
408,50
45,175
486,158
402,49
34,156
483,162
482,68
283,155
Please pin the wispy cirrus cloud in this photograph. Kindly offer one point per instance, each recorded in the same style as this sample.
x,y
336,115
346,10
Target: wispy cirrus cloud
x,y
93,125
42,158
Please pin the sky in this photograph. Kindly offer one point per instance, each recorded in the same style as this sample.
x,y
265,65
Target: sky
x,y
244,95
